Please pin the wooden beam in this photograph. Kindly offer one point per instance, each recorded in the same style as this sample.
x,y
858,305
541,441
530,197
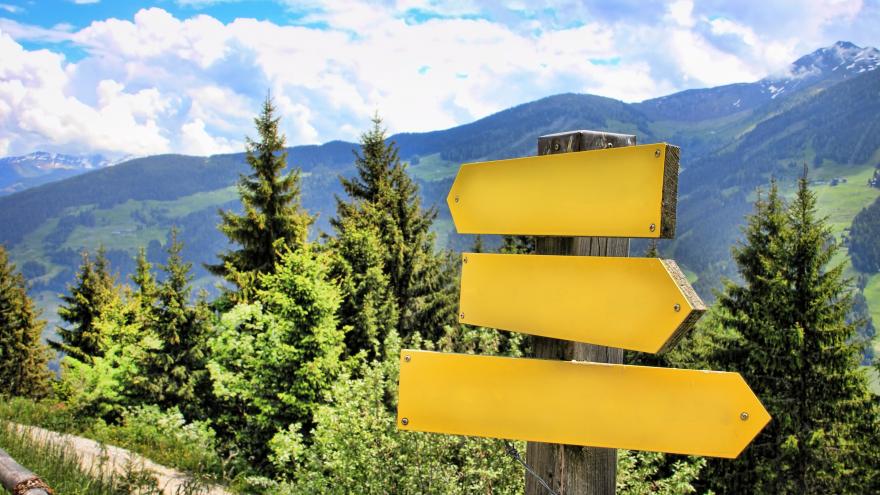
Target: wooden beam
x,y
570,469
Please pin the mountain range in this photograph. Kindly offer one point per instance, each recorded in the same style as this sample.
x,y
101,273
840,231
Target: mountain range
x,y
18,173
823,112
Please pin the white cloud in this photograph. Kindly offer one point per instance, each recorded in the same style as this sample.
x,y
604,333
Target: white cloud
x,y
681,13
85,2
195,140
12,9
156,83
34,33
36,110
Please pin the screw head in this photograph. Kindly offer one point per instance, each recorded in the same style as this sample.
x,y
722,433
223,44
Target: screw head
x,y
677,307
556,146
744,416
464,260
407,358
456,198
461,316
652,227
657,153
404,421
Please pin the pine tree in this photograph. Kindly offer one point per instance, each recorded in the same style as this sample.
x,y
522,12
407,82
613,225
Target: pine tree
x,y
652,251
175,373
271,202
144,281
796,350
518,244
274,360
384,197
478,244
368,308
93,291
23,358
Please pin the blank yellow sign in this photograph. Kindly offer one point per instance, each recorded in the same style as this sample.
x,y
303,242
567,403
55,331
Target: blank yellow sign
x,y
600,405
616,192
641,304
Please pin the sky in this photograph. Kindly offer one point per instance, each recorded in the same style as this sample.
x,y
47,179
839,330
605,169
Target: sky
x,y
188,76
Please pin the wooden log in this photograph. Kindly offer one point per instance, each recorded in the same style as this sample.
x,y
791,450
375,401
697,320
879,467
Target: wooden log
x,y
572,470
18,479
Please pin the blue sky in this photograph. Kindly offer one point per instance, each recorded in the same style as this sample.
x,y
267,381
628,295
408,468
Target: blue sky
x,y
187,76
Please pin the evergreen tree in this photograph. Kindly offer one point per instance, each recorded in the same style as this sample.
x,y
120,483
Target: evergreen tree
x,y
93,291
274,360
23,358
368,308
478,244
271,203
175,374
518,244
864,239
383,196
652,251
796,350
144,281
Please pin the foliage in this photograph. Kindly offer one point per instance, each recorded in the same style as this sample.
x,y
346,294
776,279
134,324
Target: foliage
x,y
795,349
864,239
164,437
23,358
50,414
642,473
173,373
517,244
272,360
356,447
271,204
383,198
90,295
368,308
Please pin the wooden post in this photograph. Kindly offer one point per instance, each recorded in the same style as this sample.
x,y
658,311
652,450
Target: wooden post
x,y
572,470
18,479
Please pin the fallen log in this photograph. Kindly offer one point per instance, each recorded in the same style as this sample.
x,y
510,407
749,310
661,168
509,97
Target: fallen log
x,y
19,480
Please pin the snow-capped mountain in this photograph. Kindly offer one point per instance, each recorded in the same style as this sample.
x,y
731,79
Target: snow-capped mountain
x,y
824,67
818,70
21,172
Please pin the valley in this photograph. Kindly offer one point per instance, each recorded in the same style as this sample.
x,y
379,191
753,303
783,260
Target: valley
x,y
734,140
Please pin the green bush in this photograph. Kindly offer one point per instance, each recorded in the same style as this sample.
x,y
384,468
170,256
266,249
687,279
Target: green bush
x,y
47,413
164,437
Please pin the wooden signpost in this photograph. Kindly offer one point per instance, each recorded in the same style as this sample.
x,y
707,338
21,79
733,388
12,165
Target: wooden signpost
x,y
578,308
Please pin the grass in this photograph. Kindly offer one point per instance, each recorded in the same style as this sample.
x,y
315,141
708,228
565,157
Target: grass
x,y
872,296
840,204
59,466
161,437
432,168
115,228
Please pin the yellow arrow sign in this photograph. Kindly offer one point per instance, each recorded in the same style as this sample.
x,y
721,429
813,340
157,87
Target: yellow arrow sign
x,y
643,304
570,194
600,405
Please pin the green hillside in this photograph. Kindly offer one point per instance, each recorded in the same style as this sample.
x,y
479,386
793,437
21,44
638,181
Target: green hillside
x,y
726,157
